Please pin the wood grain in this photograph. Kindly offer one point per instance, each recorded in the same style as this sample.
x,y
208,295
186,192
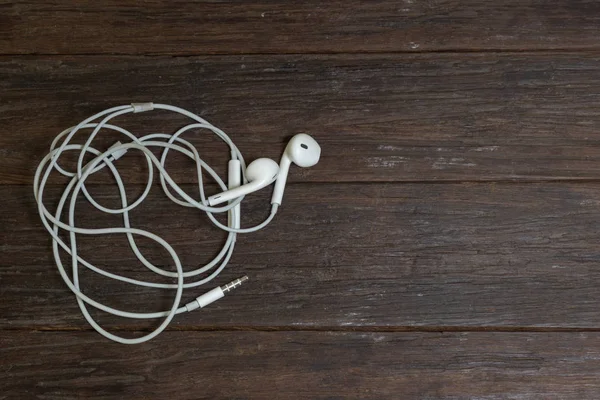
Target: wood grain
x,y
302,365
236,27
390,118
445,247
343,255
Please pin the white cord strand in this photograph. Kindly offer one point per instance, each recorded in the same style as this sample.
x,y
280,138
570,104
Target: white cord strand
x,y
53,223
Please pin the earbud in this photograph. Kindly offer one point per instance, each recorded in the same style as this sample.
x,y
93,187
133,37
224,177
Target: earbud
x,y
260,173
302,150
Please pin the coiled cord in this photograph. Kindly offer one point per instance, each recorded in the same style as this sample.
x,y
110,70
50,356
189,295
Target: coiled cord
x,y
106,159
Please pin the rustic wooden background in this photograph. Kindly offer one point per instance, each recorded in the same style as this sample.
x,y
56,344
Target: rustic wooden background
x,y
445,247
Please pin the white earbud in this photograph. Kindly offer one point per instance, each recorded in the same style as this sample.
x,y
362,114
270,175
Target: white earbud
x,y
302,150
260,173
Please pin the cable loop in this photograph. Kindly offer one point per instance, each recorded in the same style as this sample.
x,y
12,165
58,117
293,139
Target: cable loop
x,y
109,159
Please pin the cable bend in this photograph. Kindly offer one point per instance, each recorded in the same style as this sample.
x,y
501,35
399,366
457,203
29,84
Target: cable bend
x,y
54,223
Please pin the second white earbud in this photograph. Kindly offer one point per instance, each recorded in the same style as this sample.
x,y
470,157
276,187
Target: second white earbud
x,y
260,173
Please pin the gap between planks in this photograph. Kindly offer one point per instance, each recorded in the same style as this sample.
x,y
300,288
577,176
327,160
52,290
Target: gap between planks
x,y
482,51
375,329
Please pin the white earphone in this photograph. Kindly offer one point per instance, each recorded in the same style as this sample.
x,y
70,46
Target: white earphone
x,y
301,150
260,173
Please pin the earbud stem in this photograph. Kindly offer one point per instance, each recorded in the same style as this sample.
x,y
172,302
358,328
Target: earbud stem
x,y
284,167
233,193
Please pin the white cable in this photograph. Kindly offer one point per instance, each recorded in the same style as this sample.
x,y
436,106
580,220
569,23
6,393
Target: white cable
x,y
108,159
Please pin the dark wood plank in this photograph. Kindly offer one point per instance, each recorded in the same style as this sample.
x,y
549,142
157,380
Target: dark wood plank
x,y
343,255
379,118
234,27
302,365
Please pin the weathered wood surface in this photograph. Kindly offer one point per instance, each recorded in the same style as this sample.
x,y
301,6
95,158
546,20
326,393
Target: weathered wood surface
x,y
302,365
458,191
339,255
392,118
235,27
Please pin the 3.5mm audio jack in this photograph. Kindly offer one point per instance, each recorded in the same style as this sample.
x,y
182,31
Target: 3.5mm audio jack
x,y
214,294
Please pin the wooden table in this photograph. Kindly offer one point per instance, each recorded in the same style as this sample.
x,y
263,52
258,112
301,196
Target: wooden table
x,y
445,247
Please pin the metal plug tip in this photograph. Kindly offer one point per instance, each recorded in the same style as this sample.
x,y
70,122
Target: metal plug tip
x,y
233,284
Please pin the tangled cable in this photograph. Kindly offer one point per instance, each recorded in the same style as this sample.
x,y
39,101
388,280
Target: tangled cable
x,y
106,159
